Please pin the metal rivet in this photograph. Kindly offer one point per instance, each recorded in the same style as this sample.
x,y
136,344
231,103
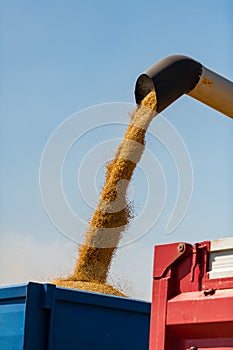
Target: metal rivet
x,y
180,247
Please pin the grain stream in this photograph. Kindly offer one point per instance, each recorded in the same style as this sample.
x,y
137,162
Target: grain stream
x,y
112,214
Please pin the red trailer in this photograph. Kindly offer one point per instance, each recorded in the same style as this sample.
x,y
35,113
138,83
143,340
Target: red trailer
x,y
192,302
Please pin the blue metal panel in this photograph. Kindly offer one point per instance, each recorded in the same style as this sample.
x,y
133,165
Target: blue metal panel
x,y
12,314
90,321
12,326
89,327
37,319
37,316
14,293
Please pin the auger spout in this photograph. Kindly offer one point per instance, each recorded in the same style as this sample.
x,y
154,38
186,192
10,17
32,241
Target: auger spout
x,y
176,75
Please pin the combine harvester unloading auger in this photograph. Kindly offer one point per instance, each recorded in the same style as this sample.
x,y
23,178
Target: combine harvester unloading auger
x,y
177,75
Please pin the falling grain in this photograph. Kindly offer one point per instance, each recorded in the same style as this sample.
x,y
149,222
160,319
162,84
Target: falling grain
x,y
112,213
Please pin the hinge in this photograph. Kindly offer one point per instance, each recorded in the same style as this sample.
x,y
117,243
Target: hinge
x,y
199,259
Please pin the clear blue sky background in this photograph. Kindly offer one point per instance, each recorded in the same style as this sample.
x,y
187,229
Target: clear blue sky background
x,y
59,57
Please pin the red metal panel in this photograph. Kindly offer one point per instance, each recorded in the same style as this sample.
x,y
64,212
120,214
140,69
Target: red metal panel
x,y
196,307
158,314
189,311
208,344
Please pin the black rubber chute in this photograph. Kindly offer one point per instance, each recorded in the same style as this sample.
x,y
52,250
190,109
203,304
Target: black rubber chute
x,y
170,78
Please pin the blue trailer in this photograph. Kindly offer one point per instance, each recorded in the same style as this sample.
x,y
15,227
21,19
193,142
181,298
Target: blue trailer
x,y
44,317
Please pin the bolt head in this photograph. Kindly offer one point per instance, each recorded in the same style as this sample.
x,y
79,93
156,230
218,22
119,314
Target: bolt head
x,y
181,247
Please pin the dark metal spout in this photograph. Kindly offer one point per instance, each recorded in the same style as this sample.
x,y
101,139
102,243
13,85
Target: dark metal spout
x,y
176,75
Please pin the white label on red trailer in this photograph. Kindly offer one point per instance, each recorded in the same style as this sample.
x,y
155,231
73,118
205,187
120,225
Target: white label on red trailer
x,y
221,258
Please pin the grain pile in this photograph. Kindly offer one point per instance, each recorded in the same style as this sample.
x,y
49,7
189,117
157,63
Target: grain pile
x,y
112,213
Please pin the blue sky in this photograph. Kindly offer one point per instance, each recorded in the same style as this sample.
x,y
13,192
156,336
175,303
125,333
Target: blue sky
x,y
60,57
